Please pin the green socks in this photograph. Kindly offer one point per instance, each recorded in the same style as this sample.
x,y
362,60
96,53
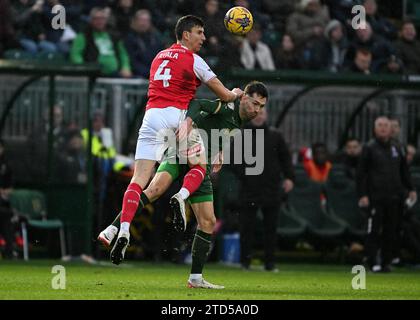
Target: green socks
x,y
200,251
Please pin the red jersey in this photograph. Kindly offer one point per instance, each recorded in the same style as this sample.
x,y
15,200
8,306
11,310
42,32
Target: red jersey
x,y
175,75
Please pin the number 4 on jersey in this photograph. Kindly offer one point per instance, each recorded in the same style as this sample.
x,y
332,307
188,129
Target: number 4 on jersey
x,y
163,73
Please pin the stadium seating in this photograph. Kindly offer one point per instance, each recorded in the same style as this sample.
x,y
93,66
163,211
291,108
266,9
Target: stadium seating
x,y
16,54
51,57
342,201
289,226
31,207
304,202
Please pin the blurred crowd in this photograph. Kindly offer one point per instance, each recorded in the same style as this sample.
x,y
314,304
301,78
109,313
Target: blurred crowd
x,y
125,35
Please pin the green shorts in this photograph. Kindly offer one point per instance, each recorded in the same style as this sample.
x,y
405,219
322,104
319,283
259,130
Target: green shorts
x,y
204,192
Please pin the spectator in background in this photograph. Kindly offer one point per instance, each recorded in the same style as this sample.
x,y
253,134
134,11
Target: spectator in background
x,y
316,162
61,38
264,191
395,130
396,141
98,45
38,141
6,213
214,29
341,11
88,5
123,12
287,57
166,12
379,24
7,31
383,180
71,163
142,43
279,11
27,15
307,23
103,149
408,48
231,52
103,157
411,154
350,157
393,65
380,48
256,55
362,62
329,52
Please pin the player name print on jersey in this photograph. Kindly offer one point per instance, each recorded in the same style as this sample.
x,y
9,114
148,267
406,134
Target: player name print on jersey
x,y
168,54
175,75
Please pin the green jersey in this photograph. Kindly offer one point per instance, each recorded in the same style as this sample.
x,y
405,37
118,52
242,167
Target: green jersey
x,y
216,120
208,115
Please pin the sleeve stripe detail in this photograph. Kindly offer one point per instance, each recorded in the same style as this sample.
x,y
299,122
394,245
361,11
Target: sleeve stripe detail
x,y
218,107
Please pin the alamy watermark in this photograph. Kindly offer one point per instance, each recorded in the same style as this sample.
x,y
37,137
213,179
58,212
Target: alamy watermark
x,y
359,280
239,147
58,282
59,20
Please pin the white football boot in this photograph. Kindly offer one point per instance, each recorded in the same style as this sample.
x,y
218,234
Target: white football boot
x,y
203,284
106,236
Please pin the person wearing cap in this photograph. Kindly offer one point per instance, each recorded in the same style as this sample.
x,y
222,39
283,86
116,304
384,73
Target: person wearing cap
x,y
329,52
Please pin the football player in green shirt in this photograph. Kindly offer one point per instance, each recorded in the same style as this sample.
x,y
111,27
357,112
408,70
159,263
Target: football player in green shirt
x,y
207,115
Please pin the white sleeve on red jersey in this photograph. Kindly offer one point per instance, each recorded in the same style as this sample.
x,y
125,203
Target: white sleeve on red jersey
x,y
202,70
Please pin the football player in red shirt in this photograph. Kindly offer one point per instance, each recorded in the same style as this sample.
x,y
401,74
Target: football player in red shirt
x,y
175,74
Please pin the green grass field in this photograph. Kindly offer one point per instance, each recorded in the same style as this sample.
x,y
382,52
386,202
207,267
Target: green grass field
x,y
32,280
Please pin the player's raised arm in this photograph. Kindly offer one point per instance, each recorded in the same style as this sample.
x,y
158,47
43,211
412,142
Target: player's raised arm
x,y
222,92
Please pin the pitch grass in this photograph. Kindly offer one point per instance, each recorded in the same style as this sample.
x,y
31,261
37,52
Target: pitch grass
x,y
147,281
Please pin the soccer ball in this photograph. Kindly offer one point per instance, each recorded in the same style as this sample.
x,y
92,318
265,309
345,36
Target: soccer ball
x,y
238,20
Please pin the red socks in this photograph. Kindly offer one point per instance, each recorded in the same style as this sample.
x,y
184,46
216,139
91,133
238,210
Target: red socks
x,y
194,178
130,202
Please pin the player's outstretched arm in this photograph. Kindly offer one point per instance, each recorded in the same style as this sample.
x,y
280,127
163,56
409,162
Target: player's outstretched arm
x,y
221,91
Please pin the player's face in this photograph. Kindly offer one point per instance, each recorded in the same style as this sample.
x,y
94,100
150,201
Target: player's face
x,y
251,105
194,40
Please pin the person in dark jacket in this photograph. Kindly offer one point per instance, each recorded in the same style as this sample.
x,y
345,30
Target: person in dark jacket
x,y
408,48
383,181
328,53
264,191
379,24
366,39
143,42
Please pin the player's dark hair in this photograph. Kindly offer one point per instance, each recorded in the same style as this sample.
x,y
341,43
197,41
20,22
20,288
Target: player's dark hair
x,y
186,23
256,87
